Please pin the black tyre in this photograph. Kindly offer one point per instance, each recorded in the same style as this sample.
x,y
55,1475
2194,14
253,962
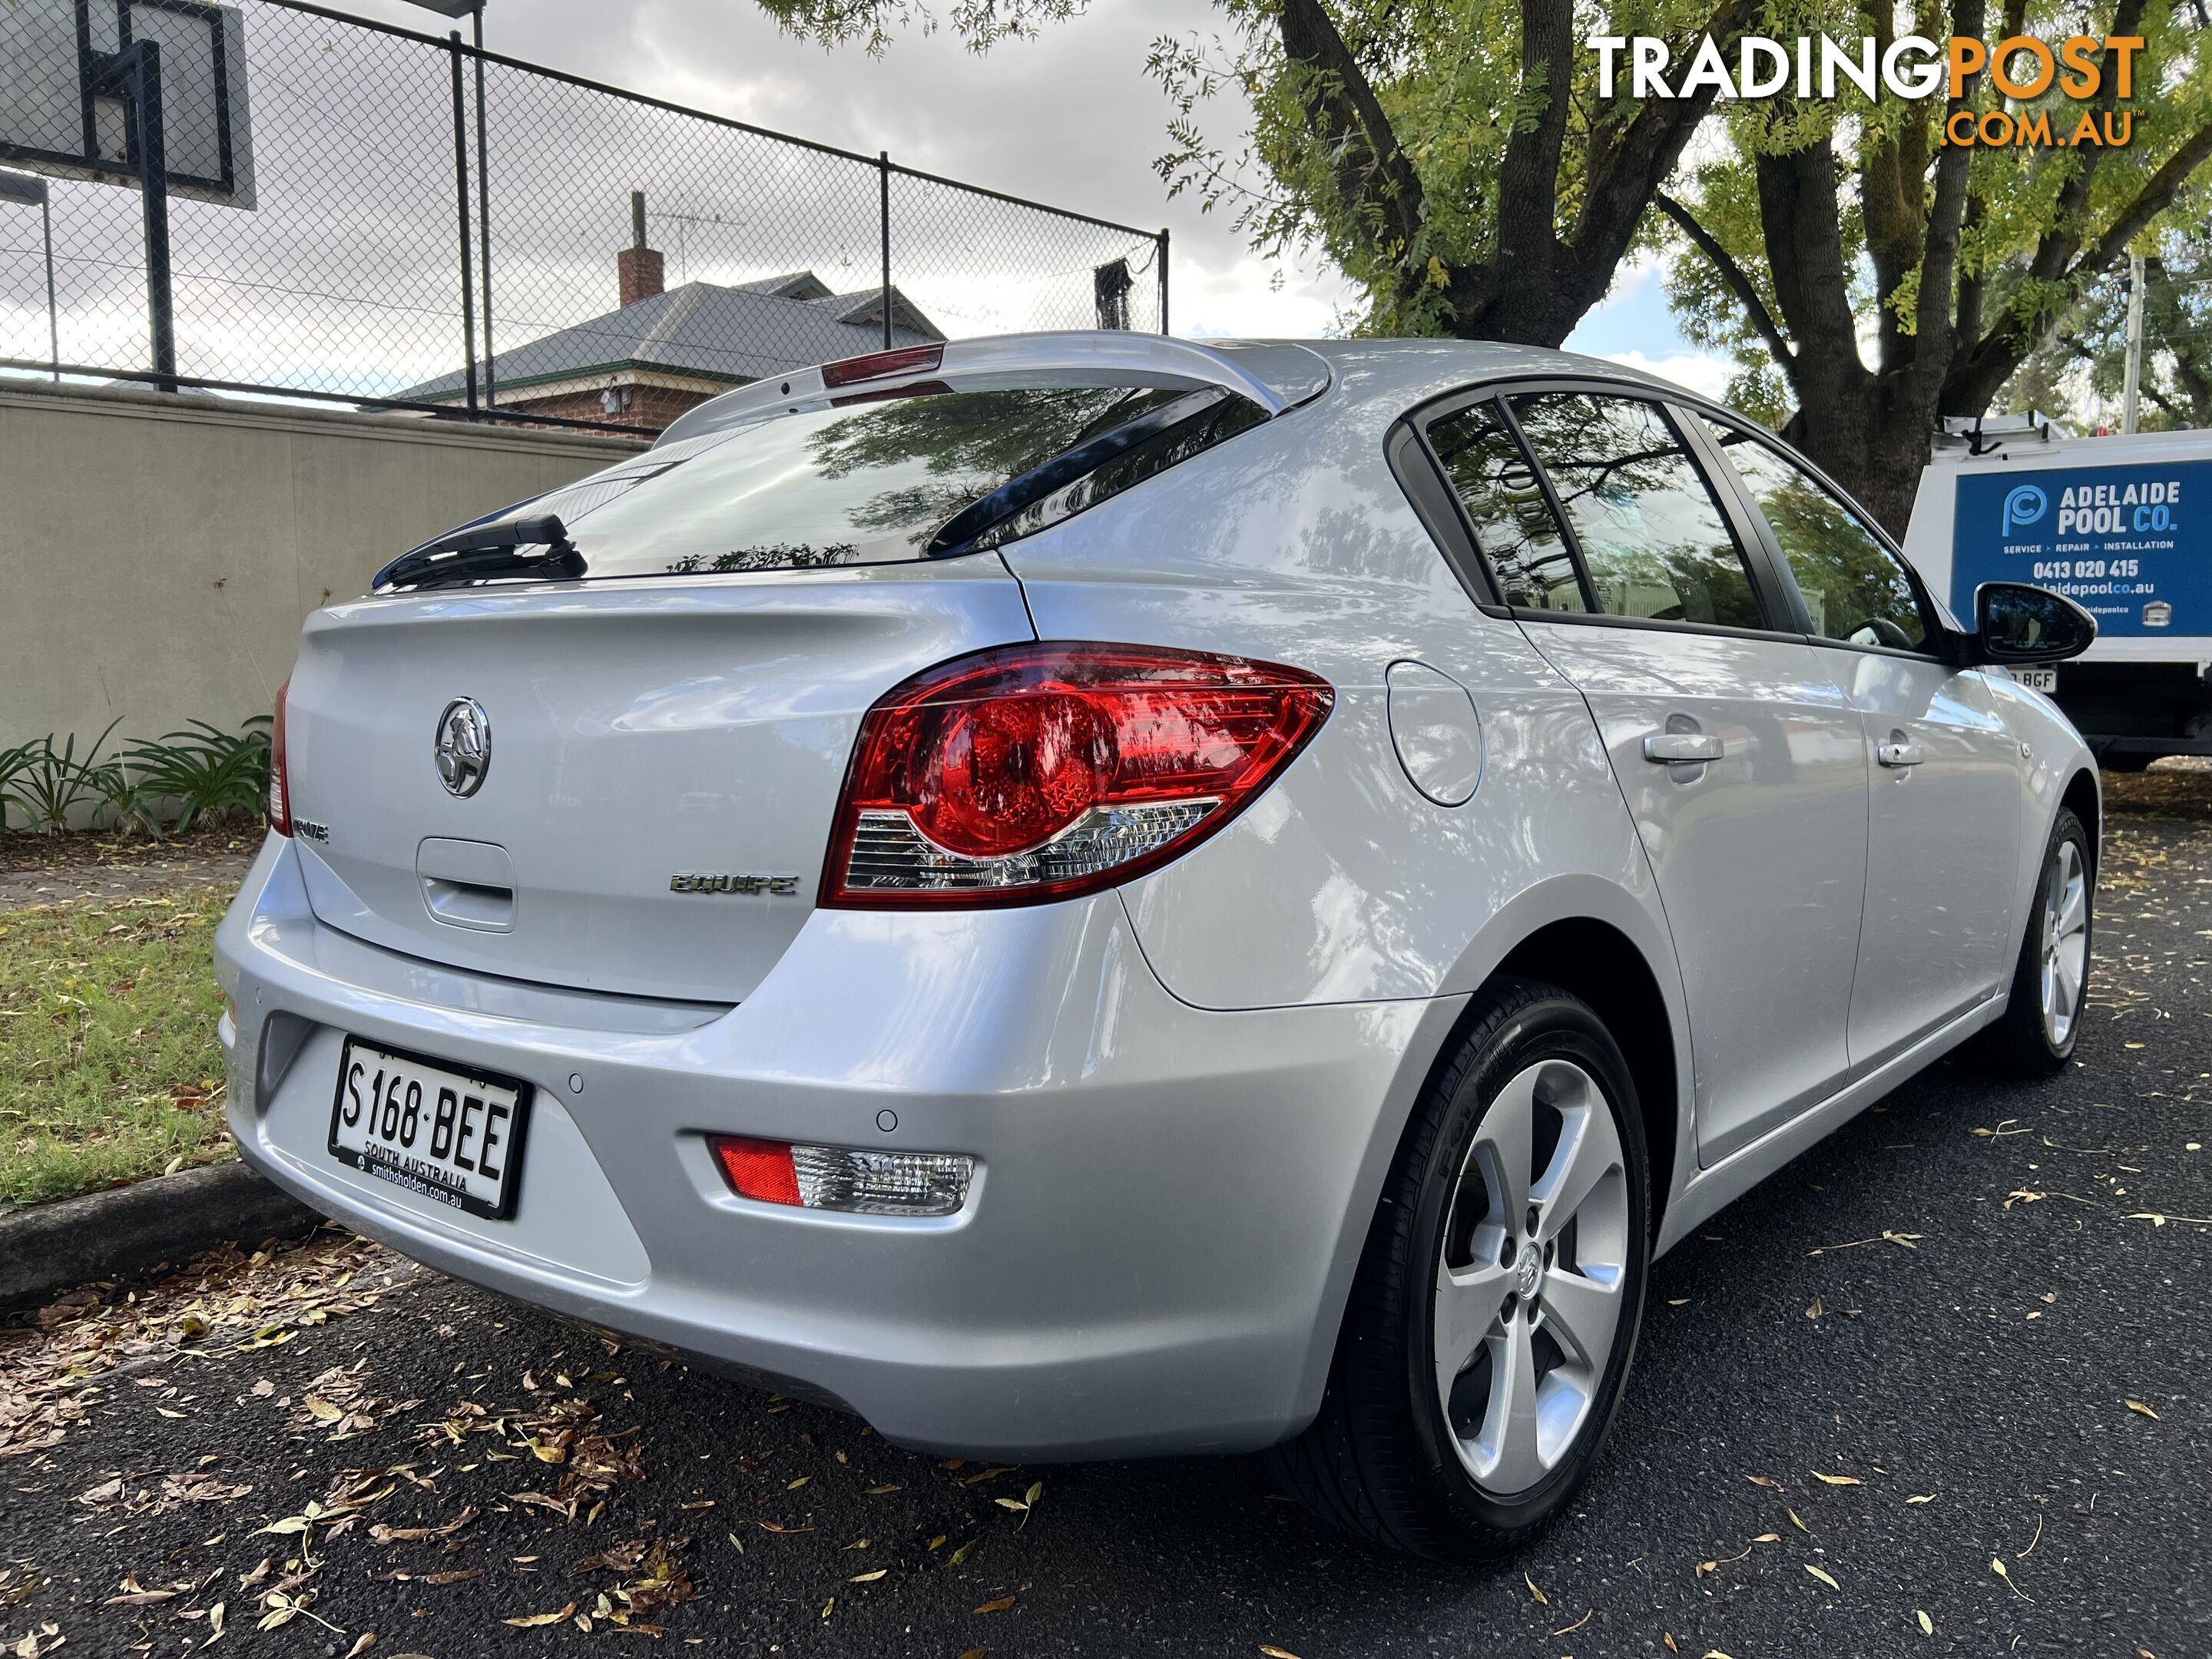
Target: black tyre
x,y
2042,1020
1496,1307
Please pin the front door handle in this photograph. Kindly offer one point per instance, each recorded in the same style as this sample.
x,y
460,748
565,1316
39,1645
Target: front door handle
x,y
1677,747
1899,752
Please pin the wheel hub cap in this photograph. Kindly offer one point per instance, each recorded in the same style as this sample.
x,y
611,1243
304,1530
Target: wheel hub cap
x,y
1529,1270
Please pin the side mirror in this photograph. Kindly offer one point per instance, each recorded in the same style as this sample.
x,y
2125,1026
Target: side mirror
x,y
2016,622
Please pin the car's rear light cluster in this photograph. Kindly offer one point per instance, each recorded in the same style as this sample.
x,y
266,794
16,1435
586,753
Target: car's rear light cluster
x,y
842,1178
280,782
1042,771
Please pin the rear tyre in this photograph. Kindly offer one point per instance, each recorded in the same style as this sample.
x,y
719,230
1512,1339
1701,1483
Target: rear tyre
x,y
1496,1306
2042,1020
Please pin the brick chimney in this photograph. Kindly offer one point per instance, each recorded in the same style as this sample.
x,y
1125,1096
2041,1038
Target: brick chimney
x,y
639,267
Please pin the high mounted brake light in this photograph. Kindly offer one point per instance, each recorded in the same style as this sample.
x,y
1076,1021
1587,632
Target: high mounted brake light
x,y
882,364
1043,771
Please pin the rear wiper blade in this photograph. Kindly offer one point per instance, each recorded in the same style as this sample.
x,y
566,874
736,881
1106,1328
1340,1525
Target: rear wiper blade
x,y
536,547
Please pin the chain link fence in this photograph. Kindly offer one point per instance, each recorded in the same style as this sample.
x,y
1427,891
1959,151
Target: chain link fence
x,y
370,215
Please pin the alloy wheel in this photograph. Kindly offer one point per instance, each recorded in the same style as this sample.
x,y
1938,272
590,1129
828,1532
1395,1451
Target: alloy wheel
x,y
1531,1281
2065,942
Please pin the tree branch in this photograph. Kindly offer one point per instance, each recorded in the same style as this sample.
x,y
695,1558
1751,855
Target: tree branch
x,y
1373,173
1739,284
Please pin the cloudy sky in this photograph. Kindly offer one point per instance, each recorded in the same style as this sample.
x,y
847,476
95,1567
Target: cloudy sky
x,y
1070,117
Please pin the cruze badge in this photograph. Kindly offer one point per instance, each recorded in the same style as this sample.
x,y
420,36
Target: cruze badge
x,y
722,883
464,746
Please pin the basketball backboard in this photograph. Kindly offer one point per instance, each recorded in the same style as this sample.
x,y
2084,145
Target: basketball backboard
x,y
55,120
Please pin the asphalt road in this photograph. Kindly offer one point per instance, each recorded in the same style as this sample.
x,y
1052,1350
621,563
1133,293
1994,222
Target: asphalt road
x,y
1959,1309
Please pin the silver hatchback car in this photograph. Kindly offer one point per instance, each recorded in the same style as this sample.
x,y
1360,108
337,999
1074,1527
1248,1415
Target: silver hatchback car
x,y
1086,894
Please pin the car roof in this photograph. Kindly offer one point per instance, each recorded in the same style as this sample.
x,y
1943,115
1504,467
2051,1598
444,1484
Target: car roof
x,y
1277,374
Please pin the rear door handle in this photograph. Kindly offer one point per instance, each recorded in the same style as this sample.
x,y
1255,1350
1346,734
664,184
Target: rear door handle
x,y
1898,751
1670,747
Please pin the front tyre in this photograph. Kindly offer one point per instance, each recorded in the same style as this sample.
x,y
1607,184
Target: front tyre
x,y
2042,1020
1496,1306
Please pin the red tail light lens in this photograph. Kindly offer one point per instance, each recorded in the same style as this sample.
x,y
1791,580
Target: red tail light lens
x,y
280,782
1042,771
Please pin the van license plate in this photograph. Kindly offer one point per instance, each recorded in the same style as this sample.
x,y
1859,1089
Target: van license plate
x,y
452,1135
2037,679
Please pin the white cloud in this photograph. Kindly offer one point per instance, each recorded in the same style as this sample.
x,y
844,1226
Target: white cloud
x,y
1693,371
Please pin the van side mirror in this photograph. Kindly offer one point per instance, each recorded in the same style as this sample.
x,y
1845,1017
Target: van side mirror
x,y
2016,622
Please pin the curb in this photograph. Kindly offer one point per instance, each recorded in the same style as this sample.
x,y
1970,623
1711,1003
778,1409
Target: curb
x,y
50,1248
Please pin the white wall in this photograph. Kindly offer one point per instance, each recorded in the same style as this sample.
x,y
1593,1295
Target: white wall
x,y
158,553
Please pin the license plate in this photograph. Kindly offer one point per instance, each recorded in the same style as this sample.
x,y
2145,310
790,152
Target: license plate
x,y
423,1124
2037,679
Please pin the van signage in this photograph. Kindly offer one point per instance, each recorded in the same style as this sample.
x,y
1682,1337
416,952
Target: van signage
x,y
2114,539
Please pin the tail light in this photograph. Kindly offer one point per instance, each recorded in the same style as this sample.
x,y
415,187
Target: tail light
x,y
280,782
1042,771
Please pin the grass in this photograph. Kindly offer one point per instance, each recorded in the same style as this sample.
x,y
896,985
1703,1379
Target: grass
x,y
109,1067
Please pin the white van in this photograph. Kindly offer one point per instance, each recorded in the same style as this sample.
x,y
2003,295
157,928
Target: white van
x,y
2121,525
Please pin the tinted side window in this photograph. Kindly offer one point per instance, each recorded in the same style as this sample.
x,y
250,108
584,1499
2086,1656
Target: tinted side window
x,y
1513,523
1652,536
1854,587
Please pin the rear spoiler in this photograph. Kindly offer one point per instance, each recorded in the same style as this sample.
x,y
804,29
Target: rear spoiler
x,y
1274,375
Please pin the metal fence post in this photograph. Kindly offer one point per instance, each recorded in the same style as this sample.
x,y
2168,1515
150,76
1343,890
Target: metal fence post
x,y
137,70
884,173
1164,279
484,218
461,204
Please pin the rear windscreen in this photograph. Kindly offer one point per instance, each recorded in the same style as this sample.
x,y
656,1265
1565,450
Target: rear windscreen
x,y
868,483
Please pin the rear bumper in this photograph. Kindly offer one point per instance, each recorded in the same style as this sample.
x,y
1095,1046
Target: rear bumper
x,y
1154,1257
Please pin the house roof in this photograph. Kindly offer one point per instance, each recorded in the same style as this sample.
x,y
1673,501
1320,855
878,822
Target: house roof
x,y
705,331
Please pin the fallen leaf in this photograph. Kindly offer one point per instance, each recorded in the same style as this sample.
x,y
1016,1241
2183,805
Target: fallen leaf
x,y
1816,1311
997,1604
2138,1406
1923,1498
878,1492
1766,1480
1794,1521
1926,1625
1822,1577
1997,1566
1268,1647
797,1484
536,1620
368,1641
1837,1480
961,1555
1569,1630
867,1577
1542,1600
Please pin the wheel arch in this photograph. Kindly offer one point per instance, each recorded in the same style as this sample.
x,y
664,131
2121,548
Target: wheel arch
x,y
1598,963
2086,800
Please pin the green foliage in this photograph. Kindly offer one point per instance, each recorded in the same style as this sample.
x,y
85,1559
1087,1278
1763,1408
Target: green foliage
x,y
114,1070
2030,231
161,788
1447,75
51,784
